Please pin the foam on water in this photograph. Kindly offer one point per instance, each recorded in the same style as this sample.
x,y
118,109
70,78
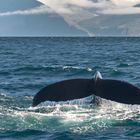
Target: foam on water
x,y
29,64
75,116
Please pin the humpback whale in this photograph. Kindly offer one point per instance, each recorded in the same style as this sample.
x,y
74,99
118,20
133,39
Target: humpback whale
x,y
114,90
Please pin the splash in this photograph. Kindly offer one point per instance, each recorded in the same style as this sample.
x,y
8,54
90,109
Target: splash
x,y
75,116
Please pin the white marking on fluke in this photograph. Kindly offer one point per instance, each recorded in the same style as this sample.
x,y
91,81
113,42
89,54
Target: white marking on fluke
x,y
98,75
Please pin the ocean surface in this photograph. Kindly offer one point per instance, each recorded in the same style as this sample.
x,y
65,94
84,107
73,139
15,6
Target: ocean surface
x,y
29,64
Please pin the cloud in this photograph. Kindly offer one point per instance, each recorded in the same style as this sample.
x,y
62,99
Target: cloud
x,y
125,7
121,11
93,7
73,11
76,12
36,10
125,3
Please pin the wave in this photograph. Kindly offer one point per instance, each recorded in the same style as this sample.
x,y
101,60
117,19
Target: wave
x,y
65,117
116,72
123,65
76,118
52,68
21,134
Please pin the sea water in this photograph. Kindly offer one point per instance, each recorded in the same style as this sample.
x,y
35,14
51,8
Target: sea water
x,y
29,64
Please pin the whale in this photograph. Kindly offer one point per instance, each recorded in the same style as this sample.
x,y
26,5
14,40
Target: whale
x,y
110,89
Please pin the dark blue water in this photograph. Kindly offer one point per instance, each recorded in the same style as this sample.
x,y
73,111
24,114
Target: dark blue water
x,y
28,64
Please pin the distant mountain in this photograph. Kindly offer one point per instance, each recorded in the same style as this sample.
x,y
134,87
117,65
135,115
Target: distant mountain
x,y
138,5
33,25
113,25
55,25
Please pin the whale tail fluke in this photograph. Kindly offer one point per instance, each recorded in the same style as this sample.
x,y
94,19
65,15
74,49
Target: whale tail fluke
x,y
118,91
65,90
115,90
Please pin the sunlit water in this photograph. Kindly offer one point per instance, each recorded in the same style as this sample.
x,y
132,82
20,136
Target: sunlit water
x,y
28,64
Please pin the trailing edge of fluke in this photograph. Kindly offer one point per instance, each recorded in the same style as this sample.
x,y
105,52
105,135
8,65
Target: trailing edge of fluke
x,y
115,90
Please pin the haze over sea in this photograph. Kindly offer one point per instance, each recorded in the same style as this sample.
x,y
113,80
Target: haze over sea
x,y
29,64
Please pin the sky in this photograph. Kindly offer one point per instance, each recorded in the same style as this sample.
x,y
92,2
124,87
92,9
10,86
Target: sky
x,y
69,18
